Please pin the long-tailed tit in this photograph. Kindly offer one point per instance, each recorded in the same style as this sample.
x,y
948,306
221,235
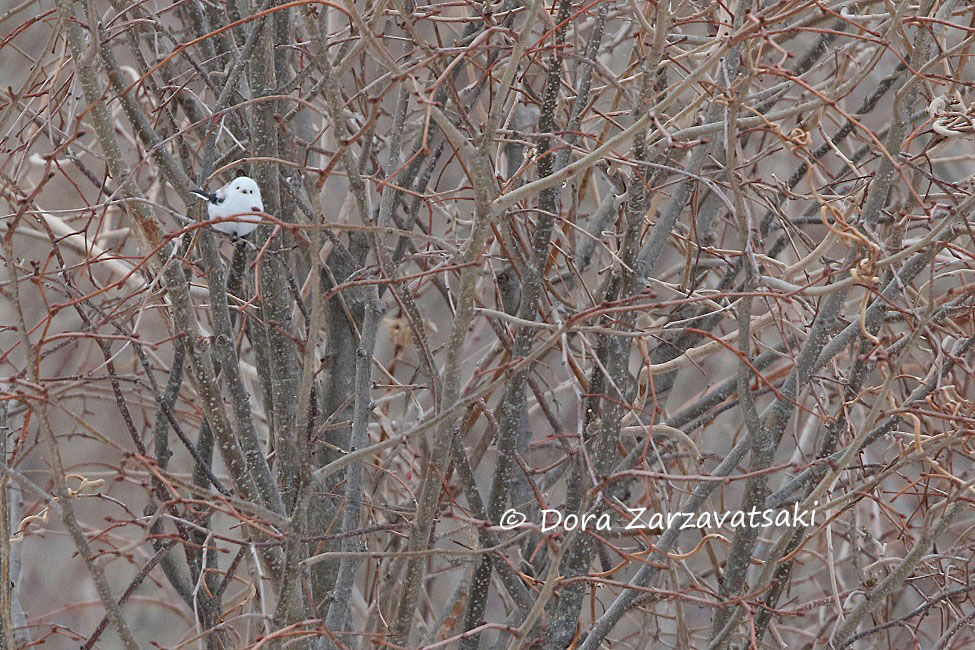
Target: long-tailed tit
x,y
240,198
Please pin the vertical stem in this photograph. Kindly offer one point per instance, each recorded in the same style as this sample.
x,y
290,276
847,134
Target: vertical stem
x,y
6,591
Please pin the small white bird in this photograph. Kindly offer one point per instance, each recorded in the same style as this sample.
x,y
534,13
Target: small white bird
x,y
241,198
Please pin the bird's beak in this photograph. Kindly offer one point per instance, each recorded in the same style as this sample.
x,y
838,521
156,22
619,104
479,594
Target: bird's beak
x,y
203,194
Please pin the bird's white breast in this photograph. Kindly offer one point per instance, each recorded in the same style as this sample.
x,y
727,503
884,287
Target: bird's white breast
x,y
241,206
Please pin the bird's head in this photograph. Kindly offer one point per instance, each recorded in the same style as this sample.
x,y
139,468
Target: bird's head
x,y
246,187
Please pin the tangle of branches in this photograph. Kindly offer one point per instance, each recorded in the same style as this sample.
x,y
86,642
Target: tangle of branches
x,y
567,324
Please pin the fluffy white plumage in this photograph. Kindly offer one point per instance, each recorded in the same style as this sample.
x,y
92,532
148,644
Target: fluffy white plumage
x,y
240,198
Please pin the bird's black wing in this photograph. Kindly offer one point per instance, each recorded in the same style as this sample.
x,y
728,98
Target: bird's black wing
x,y
207,196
